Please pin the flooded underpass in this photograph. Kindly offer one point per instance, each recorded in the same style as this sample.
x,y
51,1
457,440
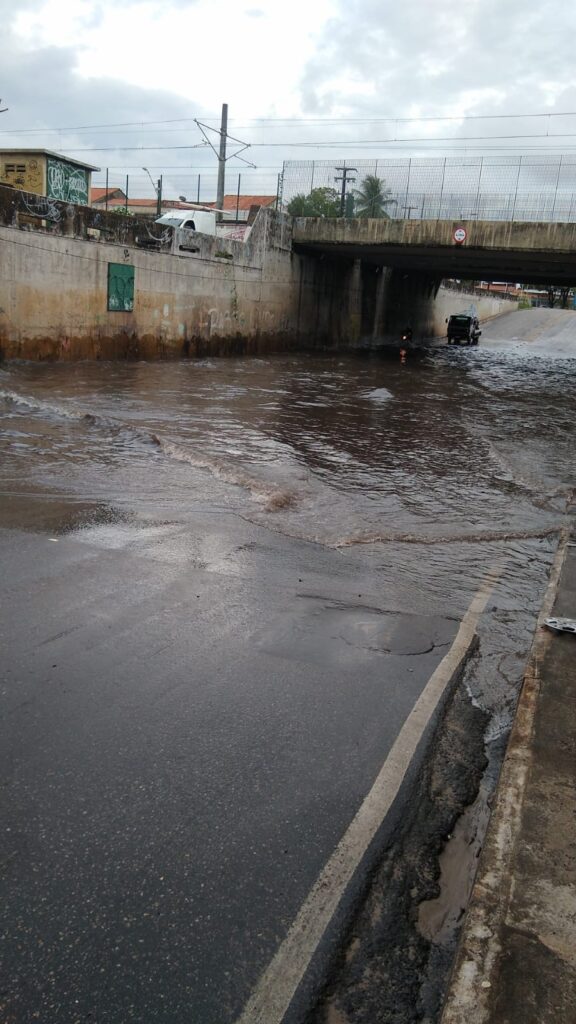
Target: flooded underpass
x,y
225,585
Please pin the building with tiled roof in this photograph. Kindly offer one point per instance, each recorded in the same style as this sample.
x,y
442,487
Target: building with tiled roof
x,y
98,195
117,200
237,208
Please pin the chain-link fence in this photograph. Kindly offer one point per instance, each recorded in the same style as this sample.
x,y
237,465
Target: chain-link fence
x,y
528,188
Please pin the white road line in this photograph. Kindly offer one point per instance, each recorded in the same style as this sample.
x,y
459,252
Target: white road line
x,y
277,986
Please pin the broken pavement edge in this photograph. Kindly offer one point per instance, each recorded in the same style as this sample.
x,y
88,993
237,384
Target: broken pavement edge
x,y
516,959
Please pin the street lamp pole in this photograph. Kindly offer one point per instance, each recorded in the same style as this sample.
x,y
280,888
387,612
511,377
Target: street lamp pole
x,y
157,186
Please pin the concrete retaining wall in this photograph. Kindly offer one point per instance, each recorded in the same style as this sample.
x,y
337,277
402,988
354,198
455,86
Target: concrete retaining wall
x,y
54,296
228,297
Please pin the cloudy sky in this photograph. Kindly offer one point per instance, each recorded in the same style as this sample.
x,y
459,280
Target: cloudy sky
x,y
119,83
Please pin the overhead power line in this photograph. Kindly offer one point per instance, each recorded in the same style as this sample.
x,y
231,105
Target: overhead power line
x,y
297,121
401,142
423,117
335,143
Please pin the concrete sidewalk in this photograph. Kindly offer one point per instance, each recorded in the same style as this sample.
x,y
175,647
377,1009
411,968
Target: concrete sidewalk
x,y
517,956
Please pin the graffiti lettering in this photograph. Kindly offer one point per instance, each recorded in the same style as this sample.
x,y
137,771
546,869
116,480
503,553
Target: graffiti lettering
x,y
40,206
120,294
66,182
150,240
163,238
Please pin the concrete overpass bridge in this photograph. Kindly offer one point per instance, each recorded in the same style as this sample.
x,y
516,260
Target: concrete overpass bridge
x,y
507,251
377,275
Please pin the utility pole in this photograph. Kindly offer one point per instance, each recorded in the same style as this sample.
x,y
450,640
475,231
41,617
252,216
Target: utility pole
x,y
221,153
345,181
222,160
159,197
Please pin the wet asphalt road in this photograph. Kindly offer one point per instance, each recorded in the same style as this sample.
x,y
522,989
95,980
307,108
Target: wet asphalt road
x,y
190,722
197,688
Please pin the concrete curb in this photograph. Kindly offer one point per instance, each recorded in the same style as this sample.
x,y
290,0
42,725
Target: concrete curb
x,y
470,997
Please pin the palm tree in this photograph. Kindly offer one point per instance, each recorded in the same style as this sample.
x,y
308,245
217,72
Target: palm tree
x,y
372,198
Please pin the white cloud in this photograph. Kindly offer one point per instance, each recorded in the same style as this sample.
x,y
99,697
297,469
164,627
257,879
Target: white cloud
x,y
210,51
97,62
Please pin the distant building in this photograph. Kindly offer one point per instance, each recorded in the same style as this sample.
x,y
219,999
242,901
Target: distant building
x,y
239,211
117,200
500,287
47,174
98,196
239,208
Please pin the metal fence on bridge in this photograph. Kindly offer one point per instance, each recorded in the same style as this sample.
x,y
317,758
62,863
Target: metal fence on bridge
x,y
520,188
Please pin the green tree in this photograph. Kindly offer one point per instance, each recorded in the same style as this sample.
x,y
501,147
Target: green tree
x,y
320,202
372,198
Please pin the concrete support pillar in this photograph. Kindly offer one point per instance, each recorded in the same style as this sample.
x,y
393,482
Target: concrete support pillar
x,y
355,302
68,221
380,304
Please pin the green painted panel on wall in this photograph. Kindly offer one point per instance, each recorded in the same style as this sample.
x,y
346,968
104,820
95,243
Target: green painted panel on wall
x,y
66,182
120,287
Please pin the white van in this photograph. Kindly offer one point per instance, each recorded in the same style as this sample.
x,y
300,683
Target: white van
x,y
190,220
184,222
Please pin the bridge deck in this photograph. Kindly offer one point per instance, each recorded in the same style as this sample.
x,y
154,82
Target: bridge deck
x,y
515,251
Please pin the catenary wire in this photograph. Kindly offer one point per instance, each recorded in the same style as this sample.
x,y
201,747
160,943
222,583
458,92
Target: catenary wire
x,y
298,121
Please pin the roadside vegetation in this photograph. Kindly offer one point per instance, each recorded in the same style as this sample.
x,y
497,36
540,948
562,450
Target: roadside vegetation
x,y
371,199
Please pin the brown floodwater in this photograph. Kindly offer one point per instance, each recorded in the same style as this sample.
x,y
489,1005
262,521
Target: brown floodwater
x,y
431,472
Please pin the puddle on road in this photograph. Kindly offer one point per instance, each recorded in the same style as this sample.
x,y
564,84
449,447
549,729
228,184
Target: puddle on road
x,y
327,635
58,514
439,918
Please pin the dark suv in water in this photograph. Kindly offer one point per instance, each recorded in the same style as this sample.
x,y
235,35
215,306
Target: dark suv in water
x,y
463,328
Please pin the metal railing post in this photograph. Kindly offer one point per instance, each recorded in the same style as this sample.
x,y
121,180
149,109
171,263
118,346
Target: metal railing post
x,y
516,191
556,189
442,189
478,189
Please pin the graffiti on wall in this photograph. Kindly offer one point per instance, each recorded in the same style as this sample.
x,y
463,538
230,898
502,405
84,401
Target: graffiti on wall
x,y
66,182
22,173
40,206
120,288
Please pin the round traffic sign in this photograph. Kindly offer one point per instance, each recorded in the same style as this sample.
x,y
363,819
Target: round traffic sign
x,y
459,235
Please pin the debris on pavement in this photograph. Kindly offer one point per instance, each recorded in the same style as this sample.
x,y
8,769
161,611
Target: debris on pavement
x,y
561,625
